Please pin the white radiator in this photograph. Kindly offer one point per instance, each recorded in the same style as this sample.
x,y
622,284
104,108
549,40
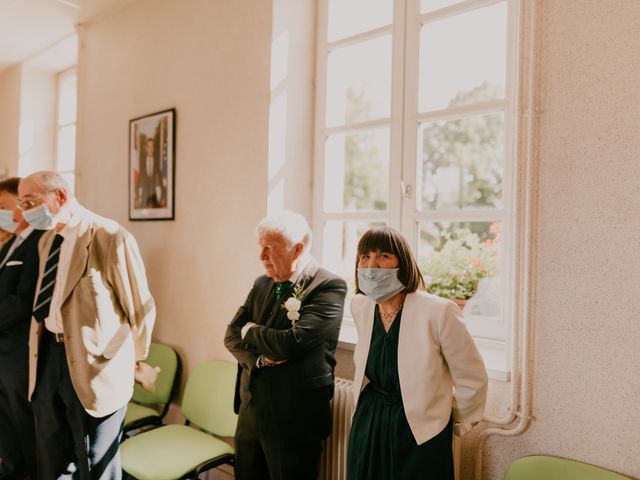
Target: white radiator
x,y
333,464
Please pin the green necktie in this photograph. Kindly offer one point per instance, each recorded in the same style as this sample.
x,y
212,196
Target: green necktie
x,y
281,289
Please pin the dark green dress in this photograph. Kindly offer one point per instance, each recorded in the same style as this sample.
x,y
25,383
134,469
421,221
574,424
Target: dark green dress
x,y
381,445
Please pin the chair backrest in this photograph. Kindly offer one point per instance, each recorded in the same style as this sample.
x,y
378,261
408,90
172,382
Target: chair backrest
x,y
167,359
541,467
208,397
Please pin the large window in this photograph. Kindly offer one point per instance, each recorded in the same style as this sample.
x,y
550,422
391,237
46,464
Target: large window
x,y
415,128
66,126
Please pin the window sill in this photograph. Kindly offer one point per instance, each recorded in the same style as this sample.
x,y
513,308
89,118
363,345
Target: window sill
x,y
494,352
348,334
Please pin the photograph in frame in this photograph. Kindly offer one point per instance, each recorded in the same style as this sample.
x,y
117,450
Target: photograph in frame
x,y
152,166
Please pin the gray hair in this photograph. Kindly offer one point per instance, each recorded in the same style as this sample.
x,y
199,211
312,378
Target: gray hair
x,y
291,225
47,181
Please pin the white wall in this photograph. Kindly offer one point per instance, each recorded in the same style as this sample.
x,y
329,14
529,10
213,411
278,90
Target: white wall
x,y
210,61
585,358
9,119
37,120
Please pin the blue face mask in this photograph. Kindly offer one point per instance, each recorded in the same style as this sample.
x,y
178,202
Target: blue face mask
x,y
40,217
379,284
6,221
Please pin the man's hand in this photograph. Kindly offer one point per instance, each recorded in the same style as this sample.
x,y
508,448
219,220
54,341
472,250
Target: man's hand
x,y
269,363
264,361
146,375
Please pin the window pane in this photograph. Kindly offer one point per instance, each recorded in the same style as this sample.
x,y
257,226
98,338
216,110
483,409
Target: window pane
x,y
357,171
67,148
67,100
463,58
431,5
359,82
461,163
350,17
462,260
340,241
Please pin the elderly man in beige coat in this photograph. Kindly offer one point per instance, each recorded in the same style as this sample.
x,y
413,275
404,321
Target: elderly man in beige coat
x,y
92,322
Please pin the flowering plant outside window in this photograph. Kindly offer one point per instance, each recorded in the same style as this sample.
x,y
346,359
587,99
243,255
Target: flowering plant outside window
x,y
456,269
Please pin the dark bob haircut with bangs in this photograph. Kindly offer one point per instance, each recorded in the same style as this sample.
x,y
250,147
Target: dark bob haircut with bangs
x,y
389,240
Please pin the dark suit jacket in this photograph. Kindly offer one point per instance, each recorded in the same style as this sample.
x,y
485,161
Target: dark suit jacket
x,y
297,392
18,278
148,183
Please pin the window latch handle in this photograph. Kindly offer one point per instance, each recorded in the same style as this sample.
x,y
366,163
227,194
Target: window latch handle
x,y
406,189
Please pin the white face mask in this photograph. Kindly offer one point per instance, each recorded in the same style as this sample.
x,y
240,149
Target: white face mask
x,y
40,217
6,221
379,284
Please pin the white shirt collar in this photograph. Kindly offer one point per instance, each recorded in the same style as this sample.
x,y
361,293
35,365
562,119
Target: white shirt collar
x,y
26,232
302,264
78,214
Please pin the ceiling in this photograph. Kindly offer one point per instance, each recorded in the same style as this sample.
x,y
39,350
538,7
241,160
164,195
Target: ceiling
x,y
29,28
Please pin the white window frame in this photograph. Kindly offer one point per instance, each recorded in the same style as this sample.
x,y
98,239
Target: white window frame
x,y
404,122
60,77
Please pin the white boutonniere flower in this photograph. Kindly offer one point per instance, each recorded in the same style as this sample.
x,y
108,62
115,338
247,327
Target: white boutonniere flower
x,y
293,304
293,308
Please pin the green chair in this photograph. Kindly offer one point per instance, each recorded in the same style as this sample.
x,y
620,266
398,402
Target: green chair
x,y
540,467
149,408
174,452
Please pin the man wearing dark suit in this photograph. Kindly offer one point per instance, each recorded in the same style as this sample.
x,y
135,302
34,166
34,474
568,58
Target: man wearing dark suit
x,y
284,338
151,190
18,277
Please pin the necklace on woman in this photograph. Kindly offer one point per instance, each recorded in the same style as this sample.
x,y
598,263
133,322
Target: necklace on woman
x,y
388,317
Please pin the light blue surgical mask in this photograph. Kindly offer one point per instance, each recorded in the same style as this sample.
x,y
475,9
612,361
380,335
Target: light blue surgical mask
x,y
379,284
6,221
40,217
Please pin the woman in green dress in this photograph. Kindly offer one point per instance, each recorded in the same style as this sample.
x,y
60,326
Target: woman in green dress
x,y
413,351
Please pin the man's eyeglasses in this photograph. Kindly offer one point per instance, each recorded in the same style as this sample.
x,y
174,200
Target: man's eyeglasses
x,y
32,200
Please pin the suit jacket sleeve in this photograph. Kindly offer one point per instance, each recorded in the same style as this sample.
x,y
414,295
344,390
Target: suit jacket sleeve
x,y
320,318
127,275
233,340
467,369
16,307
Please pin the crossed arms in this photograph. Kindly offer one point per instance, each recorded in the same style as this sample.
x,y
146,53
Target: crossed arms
x,y
320,318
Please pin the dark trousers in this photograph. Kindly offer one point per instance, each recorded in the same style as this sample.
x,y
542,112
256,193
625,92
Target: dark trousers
x,y
17,437
264,453
71,444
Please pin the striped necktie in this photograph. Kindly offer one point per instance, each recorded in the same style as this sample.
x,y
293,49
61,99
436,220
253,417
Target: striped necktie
x,y
41,310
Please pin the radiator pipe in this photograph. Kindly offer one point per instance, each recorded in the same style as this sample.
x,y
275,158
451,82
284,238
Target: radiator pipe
x,y
521,338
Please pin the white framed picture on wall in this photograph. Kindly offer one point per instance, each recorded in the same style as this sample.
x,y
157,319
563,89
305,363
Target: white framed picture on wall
x,y
152,166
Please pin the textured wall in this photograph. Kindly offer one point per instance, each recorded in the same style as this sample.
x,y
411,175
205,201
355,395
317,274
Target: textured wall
x,y
585,360
209,60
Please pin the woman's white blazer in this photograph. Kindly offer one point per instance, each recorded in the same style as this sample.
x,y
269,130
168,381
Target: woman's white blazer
x,y
440,368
